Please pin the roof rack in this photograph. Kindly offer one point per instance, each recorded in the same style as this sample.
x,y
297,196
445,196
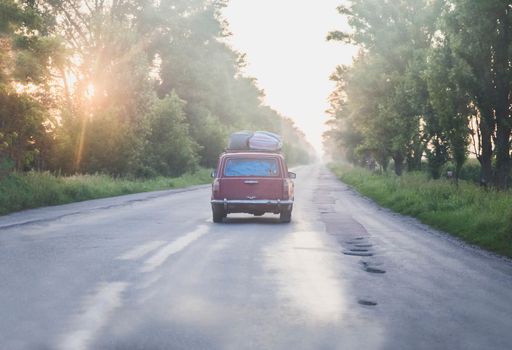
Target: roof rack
x,y
227,150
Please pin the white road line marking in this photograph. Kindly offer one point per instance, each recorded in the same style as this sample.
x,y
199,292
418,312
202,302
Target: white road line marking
x,y
139,252
172,248
97,309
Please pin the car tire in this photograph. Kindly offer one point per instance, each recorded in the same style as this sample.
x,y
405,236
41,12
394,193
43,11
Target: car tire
x,y
218,213
285,216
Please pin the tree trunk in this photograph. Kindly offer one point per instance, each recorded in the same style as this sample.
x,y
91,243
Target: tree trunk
x,y
415,155
486,130
458,168
384,163
399,159
502,155
503,126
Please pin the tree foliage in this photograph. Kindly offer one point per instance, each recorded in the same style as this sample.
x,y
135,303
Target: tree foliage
x,y
432,79
26,49
128,87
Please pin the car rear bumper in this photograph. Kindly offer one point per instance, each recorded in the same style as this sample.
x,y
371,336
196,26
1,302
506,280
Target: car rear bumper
x,y
253,205
252,201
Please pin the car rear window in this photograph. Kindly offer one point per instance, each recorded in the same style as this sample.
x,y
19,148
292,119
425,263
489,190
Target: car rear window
x,y
251,167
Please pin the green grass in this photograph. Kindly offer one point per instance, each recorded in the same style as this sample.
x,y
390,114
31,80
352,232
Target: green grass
x,y
36,189
476,215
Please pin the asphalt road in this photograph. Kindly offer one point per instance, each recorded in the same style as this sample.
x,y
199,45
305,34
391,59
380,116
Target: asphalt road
x,y
151,271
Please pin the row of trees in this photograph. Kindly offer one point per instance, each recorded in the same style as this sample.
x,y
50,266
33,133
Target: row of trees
x,y
126,87
432,81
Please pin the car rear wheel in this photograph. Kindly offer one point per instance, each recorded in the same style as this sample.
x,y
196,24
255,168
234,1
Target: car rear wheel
x,y
285,216
218,213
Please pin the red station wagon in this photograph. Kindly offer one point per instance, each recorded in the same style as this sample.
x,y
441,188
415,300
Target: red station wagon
x,y
252,182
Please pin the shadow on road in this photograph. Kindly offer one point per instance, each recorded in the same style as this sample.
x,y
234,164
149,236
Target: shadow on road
x,y
253,220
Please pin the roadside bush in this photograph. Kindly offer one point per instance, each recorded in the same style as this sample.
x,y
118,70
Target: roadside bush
x,y
470,170
170,151
35,189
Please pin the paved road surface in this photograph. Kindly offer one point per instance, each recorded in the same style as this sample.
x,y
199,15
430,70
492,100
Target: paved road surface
x,y
151,271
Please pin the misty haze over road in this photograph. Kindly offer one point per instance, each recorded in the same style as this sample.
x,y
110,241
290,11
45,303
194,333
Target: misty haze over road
x,y
150,271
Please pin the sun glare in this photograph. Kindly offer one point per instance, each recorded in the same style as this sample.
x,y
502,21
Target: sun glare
x,y
25,88
90,90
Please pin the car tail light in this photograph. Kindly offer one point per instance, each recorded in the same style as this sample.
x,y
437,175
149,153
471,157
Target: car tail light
x,y
216,186
287,188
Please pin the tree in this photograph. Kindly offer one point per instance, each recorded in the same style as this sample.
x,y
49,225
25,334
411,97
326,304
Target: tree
x,y
392,36
26,51
449,101
104,120
479,34
85,86
170,150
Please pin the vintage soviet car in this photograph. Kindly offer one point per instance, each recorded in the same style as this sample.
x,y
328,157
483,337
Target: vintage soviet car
x,y
252,182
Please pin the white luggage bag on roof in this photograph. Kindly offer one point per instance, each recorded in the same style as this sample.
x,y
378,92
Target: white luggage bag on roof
x,y
265,141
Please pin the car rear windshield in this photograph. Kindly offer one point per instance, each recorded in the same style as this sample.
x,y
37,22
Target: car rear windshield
x,y
251,167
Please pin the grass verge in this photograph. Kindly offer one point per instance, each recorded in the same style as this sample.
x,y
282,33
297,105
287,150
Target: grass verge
x,y
476,215
36,189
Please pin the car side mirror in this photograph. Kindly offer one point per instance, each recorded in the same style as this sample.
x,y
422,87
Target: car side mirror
x,y
213,174
292,175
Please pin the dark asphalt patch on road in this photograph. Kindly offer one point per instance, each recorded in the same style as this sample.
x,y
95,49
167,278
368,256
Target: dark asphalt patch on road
x,y
370,267
366,302
357,253
374,270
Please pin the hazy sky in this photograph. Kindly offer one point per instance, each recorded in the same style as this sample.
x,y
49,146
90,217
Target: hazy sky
x,y
287,52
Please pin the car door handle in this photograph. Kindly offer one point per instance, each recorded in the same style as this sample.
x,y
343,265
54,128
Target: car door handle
x,y
251,182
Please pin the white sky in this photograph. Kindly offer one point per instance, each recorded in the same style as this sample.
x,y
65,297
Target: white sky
x,y
287,52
